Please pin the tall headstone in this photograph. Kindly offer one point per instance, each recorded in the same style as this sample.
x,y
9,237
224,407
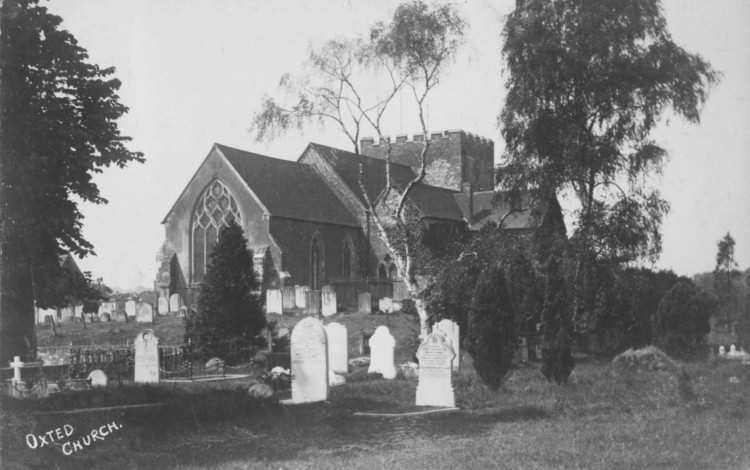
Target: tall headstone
x,y
130,308
382,345
175,303
300,296
146,357
163,306
144,313
273,301
329,301
312,302
364,302
288,301
309,361
435,356
338,348
78,309
450,329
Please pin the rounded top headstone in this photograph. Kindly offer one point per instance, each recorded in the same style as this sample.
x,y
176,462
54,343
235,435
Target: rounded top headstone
x,y
98,378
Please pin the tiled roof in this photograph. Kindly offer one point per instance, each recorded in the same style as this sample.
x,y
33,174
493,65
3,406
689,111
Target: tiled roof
x,y
492,206
288,189
432,201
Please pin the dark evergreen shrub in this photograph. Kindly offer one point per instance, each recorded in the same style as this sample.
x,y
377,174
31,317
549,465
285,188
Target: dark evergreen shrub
x,y
557,358
230,313
491,338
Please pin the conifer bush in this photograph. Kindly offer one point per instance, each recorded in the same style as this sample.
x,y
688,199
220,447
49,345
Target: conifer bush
x,y
230,312
491,338
557,358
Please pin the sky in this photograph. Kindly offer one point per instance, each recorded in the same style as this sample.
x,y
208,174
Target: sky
x,y
194,72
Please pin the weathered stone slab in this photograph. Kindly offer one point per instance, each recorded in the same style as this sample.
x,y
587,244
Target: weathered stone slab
x,y
130,308
364,302
450,329
273,301
300,296
175,303
163,306
309,361
312,302
382,345
144,313
435,356
288,301
338,348
146,357
329,301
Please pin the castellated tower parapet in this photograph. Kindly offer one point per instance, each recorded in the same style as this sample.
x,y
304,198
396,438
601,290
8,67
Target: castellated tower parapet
x,y
454,158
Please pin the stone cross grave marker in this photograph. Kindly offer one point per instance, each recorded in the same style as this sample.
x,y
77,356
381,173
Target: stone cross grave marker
x,y
144,313
146,357
16,364
364,302
273,301
329,301
300,296
130,308
450,329
382,345
163,306
338,358
288,298
435,356
98,378
309,361
175,303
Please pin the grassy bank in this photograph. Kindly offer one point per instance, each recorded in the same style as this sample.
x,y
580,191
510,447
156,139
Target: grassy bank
x,y
646,419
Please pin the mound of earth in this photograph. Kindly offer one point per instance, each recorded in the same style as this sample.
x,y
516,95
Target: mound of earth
x,y
649,358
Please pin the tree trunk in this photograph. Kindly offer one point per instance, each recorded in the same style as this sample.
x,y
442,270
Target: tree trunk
x,y
17,334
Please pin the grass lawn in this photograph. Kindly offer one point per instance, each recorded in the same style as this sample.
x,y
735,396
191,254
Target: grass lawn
x,y
643,420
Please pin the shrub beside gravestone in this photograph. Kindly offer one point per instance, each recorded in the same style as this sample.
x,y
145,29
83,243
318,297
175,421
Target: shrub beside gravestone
x,y
557,358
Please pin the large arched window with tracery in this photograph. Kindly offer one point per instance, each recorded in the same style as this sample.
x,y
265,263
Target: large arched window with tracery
x,y
216,208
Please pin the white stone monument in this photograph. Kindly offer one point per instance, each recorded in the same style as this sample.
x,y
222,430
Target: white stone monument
x,y
364,302
338,352
329,301
300,296
16,365
146,357
273,301
385,305
722,351
450,329
130,308
98,378
144,313
435,356
382,345
309,361
175,303
163,306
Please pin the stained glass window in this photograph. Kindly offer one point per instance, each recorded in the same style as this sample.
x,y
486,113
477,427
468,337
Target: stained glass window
x,y
216,208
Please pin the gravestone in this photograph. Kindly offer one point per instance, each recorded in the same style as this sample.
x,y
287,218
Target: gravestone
x,y
338,359
386,305
329,301
98,378
273,301
162,306
309,360
722,351
364,302
450,329
146,357
382,345
119,316
288,298
78,311
312,302
175,303
130,308
300,296
144,313
435,356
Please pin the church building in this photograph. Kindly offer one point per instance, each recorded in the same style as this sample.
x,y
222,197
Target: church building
x,y
307,221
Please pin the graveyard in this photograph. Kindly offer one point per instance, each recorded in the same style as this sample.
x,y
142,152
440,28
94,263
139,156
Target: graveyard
x,y
636,411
